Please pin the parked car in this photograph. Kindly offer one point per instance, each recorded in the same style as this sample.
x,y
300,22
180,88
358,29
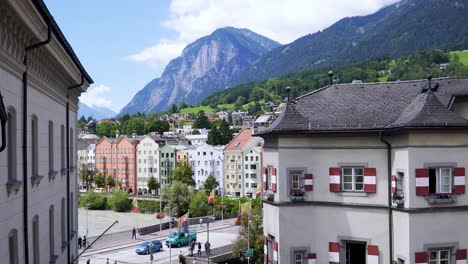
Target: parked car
x,y
83,189
99,190
178,239
211,219
145,247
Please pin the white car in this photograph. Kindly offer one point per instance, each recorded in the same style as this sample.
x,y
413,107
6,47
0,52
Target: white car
x,y
99,190
83,189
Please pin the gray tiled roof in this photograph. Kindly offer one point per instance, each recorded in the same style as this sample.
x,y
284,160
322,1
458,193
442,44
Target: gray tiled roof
x,y
365,106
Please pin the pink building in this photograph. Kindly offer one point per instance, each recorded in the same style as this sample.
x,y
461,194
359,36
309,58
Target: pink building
x,y
116,157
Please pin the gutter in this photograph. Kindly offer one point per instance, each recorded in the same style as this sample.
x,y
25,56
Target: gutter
x,y
389,206
67,118
25,137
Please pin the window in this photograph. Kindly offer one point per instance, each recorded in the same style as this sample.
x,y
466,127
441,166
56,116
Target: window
x,y
440,180
240,176
439,256
51,231
51,146
246,175
62,224
11,139
62,146
295,179
298,257
246,185
256,158
204,153
353,178
253,185
72,151
13,246
253,167
72,226
246,158
35,228
34,147
246,166
217,162
268,176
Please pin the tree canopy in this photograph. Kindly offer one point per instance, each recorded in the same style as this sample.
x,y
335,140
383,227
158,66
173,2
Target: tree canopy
x,y
106,129
183,173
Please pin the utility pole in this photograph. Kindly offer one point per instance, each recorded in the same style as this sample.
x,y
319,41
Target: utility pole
x,y
208,241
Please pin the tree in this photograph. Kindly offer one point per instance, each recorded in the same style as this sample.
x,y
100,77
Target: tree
x,y
118,201
199,204
183,173
110,181
134,125
256,233
239,102
156,126
183,105
225,133
82,119
86,175
153,184
214,137
173,109
196,132
99,180
106,129
178,197
202,121
210,183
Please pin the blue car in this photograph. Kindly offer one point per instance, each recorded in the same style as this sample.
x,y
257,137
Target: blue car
x,y
144,248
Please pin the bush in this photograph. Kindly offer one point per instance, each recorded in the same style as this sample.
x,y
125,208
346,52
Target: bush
x,y
118,201
148,206
96,201
199,204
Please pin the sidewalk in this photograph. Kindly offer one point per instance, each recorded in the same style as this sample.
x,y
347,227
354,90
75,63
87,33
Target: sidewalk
x,y
123,239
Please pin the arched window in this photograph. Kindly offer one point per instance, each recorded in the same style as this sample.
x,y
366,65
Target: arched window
x,y
51,147
51,231
13,245
64,237
34,147
11,147
35,227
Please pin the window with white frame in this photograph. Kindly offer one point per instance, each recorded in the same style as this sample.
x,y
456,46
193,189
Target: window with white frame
x,y
353,179
440,180
269,172
295,181
441,256
253,185
298,257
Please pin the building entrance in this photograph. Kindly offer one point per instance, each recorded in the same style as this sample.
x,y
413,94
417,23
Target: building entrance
x,y
355,253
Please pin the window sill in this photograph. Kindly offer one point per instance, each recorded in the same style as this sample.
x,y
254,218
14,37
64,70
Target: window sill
x,y
353,194
52,175
13,186
63,171
296,198
438,199
36,180
53,259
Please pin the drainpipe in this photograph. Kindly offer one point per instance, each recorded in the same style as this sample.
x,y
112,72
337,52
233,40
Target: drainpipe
x,y
67,118
25,137
389,207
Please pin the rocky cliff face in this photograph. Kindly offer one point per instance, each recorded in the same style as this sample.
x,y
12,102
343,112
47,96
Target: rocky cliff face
x,y
204,67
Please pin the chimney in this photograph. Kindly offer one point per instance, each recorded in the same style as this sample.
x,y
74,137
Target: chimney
x,y
117,133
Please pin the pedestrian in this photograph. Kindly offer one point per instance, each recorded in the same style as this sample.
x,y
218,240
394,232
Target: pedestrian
x,y
107,262
199,249
137,233
80,240
181,258
134,233
201,222
192,247
84,241
88,261
195,261
207,248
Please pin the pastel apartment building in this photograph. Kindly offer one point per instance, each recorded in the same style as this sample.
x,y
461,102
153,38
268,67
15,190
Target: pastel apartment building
x,y
205,160
369,173
147,162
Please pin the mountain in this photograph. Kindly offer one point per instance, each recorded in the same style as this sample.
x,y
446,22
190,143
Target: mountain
x,y
396,30
95,112
204,67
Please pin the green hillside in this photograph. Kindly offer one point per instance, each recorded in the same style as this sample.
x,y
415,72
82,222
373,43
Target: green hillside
x,y
415,66
463,55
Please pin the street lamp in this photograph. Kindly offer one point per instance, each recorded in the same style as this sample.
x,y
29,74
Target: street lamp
x,y
87,206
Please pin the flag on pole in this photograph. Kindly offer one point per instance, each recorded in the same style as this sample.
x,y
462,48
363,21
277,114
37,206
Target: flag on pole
x,y
245,208
183,223
259,190
135,205
211,198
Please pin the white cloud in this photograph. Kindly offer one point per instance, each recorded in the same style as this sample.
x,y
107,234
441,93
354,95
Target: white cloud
x,y
97,96
283,21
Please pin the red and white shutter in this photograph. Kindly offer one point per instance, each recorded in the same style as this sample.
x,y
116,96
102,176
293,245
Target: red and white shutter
x,y
421,257
335,179
459,181
273,179
333,253
275,252
370,180
264,177
394,182
265,250
308,182
422,182
372,254
311,258
462,256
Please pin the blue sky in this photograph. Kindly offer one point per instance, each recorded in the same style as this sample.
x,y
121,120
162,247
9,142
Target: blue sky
x,y
124,44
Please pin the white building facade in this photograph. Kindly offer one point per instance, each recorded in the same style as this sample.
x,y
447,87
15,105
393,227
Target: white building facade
x,y
205,160
39,198
147,162
384,188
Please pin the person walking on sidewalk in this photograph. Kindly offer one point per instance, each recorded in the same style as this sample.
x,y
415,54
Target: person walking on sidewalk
x,y
199,249
207,248
137,233
201,222
134,233
84,242
181,258
80,241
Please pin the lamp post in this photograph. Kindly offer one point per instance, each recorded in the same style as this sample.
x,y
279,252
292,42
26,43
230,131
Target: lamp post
x,y
87,206
248,230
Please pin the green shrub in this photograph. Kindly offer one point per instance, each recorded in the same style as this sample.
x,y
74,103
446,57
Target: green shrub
x,y
118,201
148,206
96,201
199,204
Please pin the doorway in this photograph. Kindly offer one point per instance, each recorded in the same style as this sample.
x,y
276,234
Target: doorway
x,y
355,252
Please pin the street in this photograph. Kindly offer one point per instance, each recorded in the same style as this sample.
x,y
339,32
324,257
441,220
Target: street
x,y
219,237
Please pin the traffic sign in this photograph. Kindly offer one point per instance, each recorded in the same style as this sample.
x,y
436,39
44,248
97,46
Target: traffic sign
x,y
250,252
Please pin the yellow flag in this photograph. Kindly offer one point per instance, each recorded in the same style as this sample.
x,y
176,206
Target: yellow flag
x,y
211,198
135,205
245,208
